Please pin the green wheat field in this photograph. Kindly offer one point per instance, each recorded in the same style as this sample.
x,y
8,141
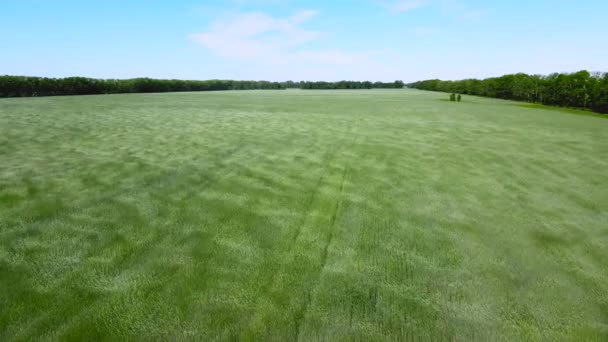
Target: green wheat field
x,y
301,215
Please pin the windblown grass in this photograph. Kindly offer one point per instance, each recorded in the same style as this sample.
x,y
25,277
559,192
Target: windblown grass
x,y
307,215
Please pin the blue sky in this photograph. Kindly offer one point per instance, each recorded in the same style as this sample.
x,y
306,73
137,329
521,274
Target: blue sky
x,y
302,40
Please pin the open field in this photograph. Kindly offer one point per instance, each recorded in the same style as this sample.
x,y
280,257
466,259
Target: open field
x,y
381,214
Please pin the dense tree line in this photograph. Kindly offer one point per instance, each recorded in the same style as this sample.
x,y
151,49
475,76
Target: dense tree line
x,y
22,86
348,85
15,86
578,90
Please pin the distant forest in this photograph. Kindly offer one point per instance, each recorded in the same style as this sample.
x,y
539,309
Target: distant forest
x,y
24,86
581,89
577,90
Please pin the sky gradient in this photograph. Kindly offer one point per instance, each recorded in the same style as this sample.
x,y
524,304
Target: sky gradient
x,y
377,40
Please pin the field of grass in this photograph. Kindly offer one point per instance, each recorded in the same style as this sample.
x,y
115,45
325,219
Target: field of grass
x,y
283,215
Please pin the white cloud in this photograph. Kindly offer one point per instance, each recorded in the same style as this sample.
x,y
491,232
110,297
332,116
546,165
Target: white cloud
x,y
456,8
398,6
259,2
257,36
302,16
461,10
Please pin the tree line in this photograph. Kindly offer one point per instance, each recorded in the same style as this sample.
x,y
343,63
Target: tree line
x,y
24,86
581,89
349,85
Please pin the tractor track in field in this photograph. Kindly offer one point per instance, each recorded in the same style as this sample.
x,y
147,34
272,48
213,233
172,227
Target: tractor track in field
x,y
300,316
329,158
311,199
